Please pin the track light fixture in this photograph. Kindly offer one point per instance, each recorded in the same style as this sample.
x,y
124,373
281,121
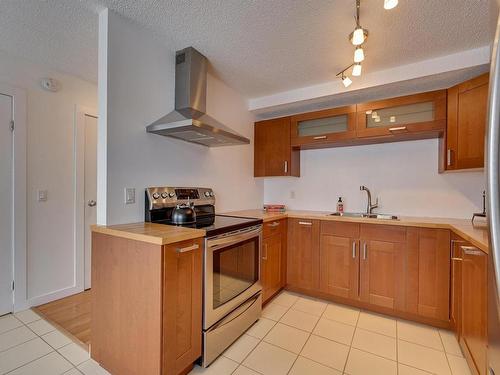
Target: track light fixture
x,y
359,54
390,4
359,35
356,70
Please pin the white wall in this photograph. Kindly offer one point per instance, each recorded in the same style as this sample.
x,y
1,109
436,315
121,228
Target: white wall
x,y
50,166
403,175
136,87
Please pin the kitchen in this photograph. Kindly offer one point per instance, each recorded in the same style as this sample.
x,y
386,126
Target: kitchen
x,y
395,280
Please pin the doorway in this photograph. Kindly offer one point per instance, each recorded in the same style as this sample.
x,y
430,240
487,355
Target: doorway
x,y
6,205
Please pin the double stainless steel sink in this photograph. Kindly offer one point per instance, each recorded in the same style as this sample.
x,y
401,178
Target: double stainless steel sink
x,y
364,215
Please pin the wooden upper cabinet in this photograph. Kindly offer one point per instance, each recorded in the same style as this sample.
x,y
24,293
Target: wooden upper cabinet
x,y
464,143
303,253
321,128
428,275
473,335
382,270
420,114
339,259
273,154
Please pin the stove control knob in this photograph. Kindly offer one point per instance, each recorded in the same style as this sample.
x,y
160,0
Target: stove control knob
x,y
156,195
211,193
207,194
171,194
164,195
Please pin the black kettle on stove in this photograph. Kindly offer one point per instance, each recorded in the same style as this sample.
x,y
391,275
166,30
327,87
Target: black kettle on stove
x,y
183,213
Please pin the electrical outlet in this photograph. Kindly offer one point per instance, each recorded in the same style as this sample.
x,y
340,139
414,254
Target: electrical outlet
x,y
42,195
129,195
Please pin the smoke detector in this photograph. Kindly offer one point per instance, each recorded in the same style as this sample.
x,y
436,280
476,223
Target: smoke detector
x,y
50,84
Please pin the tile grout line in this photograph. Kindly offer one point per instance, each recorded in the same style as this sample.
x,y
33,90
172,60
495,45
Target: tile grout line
x,y
33,360
397,347
350,345
445,354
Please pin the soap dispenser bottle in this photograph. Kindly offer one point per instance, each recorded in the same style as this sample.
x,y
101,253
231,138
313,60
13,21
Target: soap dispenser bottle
x,y
340,206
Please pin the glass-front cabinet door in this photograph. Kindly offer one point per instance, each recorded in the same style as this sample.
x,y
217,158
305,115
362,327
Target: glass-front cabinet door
x,y
413,113
323,127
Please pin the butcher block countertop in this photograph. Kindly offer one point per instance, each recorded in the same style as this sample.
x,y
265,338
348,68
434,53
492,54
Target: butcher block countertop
x,y
158,234
476,234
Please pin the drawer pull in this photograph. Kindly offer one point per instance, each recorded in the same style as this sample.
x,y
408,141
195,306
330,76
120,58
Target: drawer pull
x,y
187,248
285,166
305,223
365,251
273,224
354,249
320,137
398,128
448,157
265,257
470,250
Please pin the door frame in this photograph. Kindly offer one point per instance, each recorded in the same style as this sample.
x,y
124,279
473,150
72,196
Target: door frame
x,y
20,297
79,203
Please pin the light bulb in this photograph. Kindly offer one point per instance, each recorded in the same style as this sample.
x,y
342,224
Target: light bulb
x,y
392,119
346,81
358,36
377,119
359,55
390,4
369,112
374,114
356,70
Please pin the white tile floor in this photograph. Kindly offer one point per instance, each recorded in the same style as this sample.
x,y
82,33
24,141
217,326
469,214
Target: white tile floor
x,y
298,335
31,346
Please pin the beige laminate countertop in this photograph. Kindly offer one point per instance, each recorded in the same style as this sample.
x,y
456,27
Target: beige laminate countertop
x,y
476,234
158,234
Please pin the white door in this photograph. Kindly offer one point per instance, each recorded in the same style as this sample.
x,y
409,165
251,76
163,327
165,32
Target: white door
x,y
90,189
6,213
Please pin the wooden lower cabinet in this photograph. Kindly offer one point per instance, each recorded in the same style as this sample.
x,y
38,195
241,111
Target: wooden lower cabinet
x,y
182,306
339,259
428,278
146,305
273,259
473,332
382,265
303,254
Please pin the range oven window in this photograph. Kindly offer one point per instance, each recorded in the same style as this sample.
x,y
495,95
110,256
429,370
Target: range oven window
x,y
235,269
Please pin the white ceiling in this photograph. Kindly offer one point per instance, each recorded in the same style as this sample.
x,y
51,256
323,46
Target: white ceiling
x,y
258,47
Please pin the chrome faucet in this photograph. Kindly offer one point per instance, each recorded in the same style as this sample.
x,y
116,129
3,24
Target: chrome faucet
x,y
369,205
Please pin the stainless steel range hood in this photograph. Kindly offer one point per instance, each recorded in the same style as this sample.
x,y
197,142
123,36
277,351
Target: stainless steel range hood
x,y
188,121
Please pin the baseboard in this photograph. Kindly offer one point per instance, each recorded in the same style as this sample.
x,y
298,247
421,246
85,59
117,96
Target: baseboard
x,y
49,297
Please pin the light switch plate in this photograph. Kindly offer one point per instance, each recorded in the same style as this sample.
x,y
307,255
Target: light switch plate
x,y
129,195
42,195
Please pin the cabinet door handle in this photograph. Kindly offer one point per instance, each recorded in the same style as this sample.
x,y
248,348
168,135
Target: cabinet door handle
x,y
457,259
265,257
305,223
354,249
286,166
320,137
453,242
365,251
471,250
187,248
448,157
397,128
273,224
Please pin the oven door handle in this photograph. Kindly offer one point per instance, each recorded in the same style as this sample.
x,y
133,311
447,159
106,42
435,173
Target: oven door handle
x,y
217,243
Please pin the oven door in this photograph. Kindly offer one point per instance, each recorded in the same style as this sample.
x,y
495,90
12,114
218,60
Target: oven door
x,y
232,272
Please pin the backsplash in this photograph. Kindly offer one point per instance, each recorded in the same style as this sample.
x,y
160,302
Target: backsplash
x,y
402,175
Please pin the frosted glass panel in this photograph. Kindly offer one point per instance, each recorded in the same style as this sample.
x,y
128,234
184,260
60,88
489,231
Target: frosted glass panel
x,y
400,115
335,124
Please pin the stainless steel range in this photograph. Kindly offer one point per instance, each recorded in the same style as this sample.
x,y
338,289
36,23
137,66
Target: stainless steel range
x,y
232,290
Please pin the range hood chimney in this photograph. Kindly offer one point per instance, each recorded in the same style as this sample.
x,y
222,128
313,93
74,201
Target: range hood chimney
x,y
188,121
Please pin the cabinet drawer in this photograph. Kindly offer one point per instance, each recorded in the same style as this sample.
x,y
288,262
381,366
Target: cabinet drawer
x,y
383,232
340,229
272,227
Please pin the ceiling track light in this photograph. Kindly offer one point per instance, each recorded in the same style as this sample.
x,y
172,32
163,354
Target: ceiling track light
x,y
356,70
390,4
359,35
359,54
345,79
